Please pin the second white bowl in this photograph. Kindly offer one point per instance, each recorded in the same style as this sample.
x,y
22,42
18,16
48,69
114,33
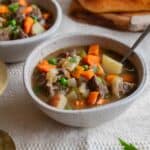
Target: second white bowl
x,y
17,50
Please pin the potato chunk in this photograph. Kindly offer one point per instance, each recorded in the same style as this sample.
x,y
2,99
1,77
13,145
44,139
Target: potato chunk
x,y
59,101
111,66
37,28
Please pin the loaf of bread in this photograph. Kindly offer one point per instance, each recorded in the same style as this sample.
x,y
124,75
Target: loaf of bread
x,y
127,21
102,6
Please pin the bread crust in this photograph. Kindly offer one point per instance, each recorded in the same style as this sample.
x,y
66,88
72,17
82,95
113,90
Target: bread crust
x,y
120,21
101,6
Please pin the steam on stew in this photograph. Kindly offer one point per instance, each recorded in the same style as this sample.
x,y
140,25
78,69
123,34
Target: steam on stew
x,y
83,77
20,19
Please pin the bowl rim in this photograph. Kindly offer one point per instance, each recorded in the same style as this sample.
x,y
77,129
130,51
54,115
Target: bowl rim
x,y
51,30
121,102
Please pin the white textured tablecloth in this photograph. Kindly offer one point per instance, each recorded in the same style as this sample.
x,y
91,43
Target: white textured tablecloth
x,y
32,130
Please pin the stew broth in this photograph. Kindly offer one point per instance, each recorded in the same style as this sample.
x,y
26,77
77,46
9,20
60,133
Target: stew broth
x,y
83,77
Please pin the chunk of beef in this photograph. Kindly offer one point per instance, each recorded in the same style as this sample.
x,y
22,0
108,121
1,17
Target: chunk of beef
x,y
2,21
64,72
126,87
41,79
95,85
22,34
19,15
63,55
5,34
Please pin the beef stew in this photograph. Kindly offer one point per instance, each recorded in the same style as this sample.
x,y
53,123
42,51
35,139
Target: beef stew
x,y
83,77
20,19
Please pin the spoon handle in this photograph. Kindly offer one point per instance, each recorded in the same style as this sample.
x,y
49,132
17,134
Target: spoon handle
x,y
137,42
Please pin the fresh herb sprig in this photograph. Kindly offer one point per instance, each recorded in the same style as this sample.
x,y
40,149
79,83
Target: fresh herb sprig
x,y
127,146
13,7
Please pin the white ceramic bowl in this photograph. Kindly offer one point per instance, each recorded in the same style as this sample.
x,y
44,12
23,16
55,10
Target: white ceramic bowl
x,y
87,117
17,50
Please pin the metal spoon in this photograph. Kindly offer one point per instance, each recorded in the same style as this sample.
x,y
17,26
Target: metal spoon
x,y
138,41
6,142
3,77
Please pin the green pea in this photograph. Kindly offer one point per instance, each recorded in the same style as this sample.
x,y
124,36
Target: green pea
x,y
12,22
63,81
52,61
13,7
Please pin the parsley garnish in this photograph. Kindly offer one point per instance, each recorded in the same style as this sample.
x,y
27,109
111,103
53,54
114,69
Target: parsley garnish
x,y
127,146
52,61
13,7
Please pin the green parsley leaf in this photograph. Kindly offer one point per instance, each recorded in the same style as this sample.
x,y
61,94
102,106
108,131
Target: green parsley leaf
x,y
35,18
52,61
13,7
127,146
13,24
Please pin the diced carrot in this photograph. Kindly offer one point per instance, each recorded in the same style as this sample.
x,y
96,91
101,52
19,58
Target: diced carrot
x,y
128,77
46,15
54,100
87,74
102,101
45,66
23,2
91,59
98,70
94,50
110,78
4,9
28,23
92,98
28,10
78,71
77,103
